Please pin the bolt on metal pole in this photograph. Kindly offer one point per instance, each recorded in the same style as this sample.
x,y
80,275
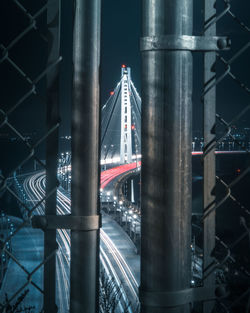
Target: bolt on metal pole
x,y
50,245
209,168
166,160
84,271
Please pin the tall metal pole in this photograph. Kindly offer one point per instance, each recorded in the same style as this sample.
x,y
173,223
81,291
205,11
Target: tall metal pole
x,y
209,168
53,10
85,157
166,158
50,208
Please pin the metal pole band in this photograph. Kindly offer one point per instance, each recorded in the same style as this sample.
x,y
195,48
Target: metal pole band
x,y
166,299
83,223
184,42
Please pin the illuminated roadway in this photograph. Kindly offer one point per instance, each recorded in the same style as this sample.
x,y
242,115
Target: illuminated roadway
x,y
108,175
115,259
112,260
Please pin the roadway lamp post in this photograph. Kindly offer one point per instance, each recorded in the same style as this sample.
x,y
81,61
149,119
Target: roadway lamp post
x,y
84,270
166,157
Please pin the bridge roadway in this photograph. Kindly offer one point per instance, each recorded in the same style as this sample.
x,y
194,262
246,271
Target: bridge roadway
x,y
117,252
109,175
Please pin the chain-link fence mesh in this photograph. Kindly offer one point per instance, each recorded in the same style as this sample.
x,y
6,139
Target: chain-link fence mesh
x,y
24,68
27,41
230,258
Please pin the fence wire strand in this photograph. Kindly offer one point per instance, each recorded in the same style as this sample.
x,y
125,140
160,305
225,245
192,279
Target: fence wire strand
x,y
228,254
5,123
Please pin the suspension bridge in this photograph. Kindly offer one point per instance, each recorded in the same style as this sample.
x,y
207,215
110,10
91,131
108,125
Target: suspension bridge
x,y
120,155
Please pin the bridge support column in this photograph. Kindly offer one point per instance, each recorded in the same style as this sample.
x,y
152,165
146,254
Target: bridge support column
x,y
166,158
84,268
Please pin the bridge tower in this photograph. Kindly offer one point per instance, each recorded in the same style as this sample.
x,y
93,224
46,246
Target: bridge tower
x,y
126,139
121,122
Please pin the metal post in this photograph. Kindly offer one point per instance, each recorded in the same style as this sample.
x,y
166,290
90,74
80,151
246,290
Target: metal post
x,y
166,160
50,208
209,155
85,157
50,245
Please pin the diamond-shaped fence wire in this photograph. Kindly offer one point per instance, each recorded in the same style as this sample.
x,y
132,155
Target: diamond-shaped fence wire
x,y
231,255
20,67
24,68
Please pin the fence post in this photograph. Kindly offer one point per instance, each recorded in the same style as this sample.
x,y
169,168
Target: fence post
x,y
209,102
85,157
166,158
50,245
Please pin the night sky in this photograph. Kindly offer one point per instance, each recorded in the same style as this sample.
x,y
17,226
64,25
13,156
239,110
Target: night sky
x,y
121,28
121,25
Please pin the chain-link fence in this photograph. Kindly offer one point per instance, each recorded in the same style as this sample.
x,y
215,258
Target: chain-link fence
x,y
225,221
29,61
6,229
29,66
